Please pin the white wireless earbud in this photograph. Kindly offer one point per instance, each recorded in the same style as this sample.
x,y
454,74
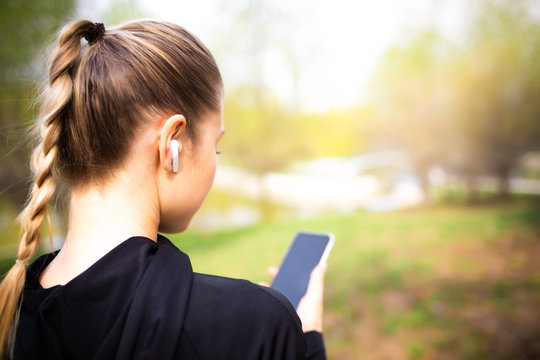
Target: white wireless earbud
x,y
175,146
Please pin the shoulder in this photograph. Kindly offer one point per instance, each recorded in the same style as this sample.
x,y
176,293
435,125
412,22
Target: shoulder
x,y
231,318
236,297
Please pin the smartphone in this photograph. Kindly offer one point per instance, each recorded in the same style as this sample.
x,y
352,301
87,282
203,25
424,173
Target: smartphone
x,y
306,251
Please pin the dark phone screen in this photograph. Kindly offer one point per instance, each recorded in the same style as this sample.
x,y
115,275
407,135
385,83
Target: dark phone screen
x,y
304,254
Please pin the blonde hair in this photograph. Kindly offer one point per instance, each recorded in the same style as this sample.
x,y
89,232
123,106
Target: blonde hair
x,y
94,99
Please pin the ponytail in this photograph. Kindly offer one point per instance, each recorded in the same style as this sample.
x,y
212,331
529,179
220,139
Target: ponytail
x,y
94,96
57,98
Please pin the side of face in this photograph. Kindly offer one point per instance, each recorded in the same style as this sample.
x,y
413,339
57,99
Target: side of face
x,y
182,193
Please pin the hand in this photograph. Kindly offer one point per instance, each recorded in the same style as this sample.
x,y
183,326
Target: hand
x,y
310,308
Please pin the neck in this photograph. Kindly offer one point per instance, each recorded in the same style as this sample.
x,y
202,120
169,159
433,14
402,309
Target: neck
x,y
101,218
107,214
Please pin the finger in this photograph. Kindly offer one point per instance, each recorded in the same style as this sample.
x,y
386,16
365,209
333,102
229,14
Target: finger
x,y
272,271
319,272
316,279
264,283
310,307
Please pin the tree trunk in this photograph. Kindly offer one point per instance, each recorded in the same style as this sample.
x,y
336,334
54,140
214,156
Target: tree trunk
x,y
424,183
472,189
265,202
503,180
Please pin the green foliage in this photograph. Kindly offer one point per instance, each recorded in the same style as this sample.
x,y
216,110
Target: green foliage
x,y
498,78
411,99
469,107
264,133
259,131
123,10
334,133
26,27
415,351
263,136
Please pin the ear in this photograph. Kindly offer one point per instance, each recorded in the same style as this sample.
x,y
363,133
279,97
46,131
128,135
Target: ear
x,y
171,129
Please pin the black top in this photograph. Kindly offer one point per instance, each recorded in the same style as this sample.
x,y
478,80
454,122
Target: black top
x,y
143,301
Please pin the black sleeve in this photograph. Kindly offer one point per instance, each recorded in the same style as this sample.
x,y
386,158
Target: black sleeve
x,y
314,346
235,319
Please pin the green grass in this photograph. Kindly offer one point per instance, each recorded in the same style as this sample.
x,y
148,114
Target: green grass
x,y
445,282
438,282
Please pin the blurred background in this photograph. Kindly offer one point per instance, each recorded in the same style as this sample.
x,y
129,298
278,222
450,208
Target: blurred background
x,y
410,129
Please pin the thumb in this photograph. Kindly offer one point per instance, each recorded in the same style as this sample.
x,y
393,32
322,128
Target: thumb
x,y
316,279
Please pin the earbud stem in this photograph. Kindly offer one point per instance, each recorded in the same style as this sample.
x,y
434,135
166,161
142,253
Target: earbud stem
x,y
174,152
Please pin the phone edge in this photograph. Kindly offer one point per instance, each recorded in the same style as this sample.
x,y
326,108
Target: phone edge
x,y
328,249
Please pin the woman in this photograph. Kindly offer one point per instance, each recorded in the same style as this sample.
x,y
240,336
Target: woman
x,y
130,121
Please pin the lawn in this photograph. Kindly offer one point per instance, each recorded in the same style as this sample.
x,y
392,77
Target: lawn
x,y
442,282
445,282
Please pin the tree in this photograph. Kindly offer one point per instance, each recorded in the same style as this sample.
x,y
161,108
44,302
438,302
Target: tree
x,y
471,107
496,89
25,27
410,98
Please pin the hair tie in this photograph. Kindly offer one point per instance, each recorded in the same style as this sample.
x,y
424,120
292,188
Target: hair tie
x,y
95,34
17,261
